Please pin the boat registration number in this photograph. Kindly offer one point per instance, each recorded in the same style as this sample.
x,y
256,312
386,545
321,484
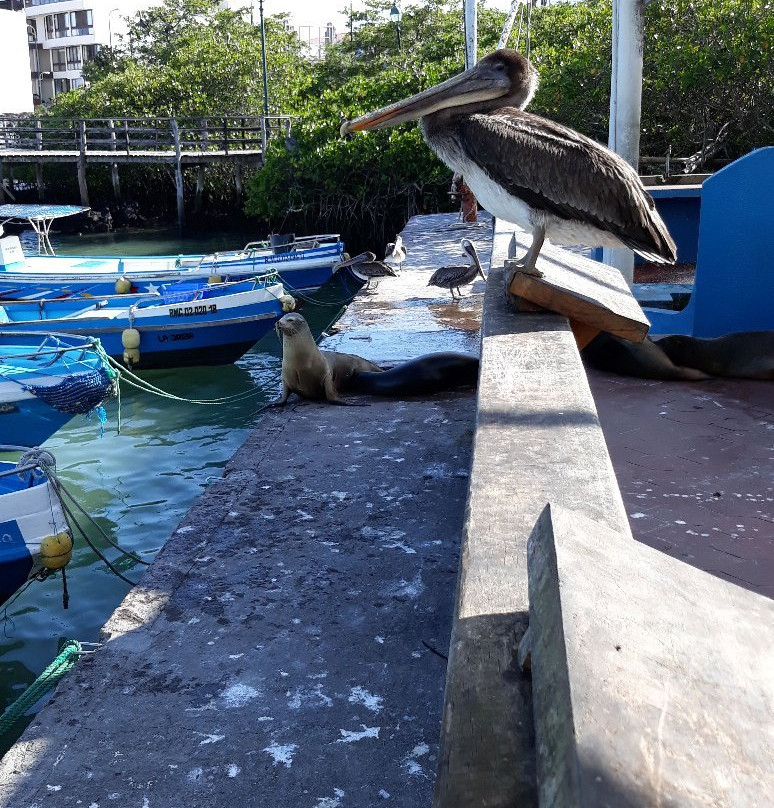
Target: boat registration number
x,y
192,311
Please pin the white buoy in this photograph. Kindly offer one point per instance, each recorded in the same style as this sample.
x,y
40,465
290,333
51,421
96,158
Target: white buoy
x,y
123,285
130,338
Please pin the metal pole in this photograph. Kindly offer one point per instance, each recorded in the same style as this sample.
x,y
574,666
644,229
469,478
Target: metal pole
x,y
508,27
397,31
263,60
626,103
471,33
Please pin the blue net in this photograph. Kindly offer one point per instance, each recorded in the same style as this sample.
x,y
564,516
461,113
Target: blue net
x,y
76,394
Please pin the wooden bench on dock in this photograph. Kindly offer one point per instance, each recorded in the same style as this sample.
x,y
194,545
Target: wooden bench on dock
x,y
632,699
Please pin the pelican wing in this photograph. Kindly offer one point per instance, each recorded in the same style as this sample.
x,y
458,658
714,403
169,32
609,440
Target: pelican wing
x,y
558,170
452,276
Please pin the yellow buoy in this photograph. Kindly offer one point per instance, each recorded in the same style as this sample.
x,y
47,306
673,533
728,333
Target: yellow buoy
x,y
130,338
215,279
56,551
288,302
123,285
131,357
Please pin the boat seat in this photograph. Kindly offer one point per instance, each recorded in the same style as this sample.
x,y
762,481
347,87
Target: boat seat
x,y
734,286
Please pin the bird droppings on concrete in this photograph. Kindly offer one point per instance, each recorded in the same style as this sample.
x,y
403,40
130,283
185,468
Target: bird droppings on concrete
x,y
308,697
238,695
359,695
350,737
331,802
210,738
281,753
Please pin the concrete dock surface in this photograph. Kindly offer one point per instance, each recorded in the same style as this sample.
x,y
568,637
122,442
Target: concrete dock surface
x,y
287,646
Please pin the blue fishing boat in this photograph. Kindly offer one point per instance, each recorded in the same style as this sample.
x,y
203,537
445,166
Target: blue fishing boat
x,y
33,530
45,380
179,325
303,264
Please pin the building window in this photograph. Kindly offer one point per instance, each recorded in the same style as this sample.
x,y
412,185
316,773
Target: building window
x,y
56,26
72,23
81,23
58,59
90,52
61,86
74,58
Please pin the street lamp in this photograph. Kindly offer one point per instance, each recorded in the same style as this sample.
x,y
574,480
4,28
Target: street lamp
x,y
110,26
395,18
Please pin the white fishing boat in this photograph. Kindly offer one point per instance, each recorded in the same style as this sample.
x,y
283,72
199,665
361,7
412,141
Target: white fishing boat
x,y
303,264
34,533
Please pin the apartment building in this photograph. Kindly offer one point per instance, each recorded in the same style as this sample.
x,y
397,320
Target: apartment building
x,y
62,35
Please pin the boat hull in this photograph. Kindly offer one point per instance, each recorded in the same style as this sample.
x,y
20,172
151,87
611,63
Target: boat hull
x,y
211,327
46,379
29,420
301,271
29,511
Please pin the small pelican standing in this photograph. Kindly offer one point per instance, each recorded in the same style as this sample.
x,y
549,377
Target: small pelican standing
x,y
543,176
367,267
396,251
453,277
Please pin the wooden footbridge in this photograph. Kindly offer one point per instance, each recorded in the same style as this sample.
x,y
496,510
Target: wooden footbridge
x,y
179,142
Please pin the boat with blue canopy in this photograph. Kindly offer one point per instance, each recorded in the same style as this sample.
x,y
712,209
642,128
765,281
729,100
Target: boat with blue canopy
x,y
45,380
303,264
179,325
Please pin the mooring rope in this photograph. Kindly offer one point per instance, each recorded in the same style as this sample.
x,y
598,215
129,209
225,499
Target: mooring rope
x,y
65,660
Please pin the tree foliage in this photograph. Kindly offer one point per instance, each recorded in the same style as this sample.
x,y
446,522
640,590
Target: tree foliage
x,y
707,63
189,58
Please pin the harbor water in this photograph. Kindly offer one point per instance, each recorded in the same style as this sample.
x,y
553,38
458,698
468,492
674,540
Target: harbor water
x,y
139,483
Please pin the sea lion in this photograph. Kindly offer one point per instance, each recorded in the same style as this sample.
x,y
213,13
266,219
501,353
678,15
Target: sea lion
x,y
646,360
743,355
310,372
422,376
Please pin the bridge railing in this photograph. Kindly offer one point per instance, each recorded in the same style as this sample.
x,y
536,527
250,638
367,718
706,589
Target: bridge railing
x,y
232,133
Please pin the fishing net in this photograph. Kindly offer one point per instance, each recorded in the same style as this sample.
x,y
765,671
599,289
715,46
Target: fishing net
x,y
77,394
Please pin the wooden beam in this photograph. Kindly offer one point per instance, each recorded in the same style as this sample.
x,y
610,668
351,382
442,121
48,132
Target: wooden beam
x,y
583,290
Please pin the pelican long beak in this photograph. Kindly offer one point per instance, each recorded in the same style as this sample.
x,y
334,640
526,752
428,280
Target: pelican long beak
x,y
470,250
362,258
472,86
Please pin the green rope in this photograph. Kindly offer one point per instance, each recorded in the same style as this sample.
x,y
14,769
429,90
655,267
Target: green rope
x,y
48,680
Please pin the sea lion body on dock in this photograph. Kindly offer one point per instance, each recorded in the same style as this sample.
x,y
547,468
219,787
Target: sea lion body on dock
x,y
742,355
645,360
310,372
325,375
421,376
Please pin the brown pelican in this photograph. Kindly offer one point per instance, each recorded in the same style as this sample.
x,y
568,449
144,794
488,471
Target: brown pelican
x,y
545,177
453,277
367,267
396,251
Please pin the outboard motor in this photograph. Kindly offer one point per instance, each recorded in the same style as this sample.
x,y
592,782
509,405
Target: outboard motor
x,y
281,242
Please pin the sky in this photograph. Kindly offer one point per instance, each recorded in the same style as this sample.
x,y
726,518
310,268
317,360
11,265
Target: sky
x,y
319,12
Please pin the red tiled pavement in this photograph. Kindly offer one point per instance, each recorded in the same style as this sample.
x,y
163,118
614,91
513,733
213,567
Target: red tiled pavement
x,y
695,463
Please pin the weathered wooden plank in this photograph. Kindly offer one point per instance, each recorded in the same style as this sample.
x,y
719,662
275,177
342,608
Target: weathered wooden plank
x,y
537,439
581,289
653,681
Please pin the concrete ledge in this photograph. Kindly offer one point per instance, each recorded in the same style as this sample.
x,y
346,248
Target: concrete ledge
x,y
537,439
652,680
